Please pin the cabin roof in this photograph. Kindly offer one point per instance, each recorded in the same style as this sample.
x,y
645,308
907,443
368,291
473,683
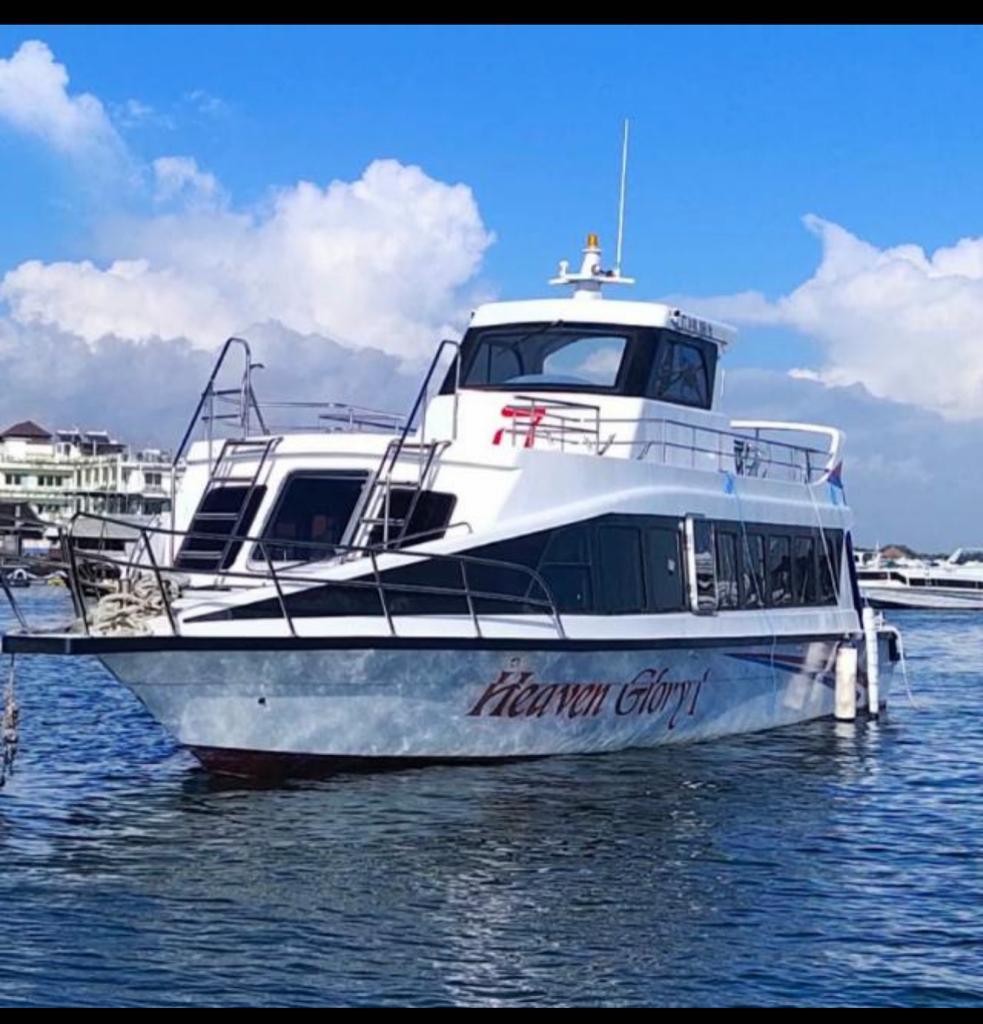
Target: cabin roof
x,y
602,311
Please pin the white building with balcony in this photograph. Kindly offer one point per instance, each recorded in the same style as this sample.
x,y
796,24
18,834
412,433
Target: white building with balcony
x,y
75,470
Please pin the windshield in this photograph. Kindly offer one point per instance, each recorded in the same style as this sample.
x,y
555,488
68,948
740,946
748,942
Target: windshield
x,y
548,355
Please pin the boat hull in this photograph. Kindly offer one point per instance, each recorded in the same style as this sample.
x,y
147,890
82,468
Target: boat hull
x,y
932,598
251,710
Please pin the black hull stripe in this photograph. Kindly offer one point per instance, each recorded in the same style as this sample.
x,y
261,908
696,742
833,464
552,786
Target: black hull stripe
x,y
39,643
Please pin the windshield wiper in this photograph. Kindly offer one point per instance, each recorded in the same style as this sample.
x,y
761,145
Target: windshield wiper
x,y
537,331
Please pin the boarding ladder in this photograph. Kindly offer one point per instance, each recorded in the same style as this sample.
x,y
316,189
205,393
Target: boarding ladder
x,y
219,522
404,473
392,497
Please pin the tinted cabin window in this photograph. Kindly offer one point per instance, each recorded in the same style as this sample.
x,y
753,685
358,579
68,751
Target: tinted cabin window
x,y
663,570
728,594
780,570
753,576
224,510
312,510
431,515
567,570
703,587
620,569
547,356
829,568
634,561
805,570
681,373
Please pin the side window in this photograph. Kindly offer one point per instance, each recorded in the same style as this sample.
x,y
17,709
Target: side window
x,y
566,569
223,511
680,374
701,563
501,362
805,570
663,570
779,570
829,567
311,513
620,569
728,593
754,579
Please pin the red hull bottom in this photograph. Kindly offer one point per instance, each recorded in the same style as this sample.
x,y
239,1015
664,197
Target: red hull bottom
x,y
270,765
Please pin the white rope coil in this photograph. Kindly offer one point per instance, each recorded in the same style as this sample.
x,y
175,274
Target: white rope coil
x,y
130,608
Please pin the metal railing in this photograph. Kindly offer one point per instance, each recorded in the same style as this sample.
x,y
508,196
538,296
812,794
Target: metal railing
x,y
245,399
286,580
238,408
285,417
745,451
377,497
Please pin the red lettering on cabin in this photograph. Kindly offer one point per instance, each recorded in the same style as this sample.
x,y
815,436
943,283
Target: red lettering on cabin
x,y
533,415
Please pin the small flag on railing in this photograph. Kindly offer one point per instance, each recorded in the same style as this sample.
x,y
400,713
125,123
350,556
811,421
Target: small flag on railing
x,y
729,486
835,481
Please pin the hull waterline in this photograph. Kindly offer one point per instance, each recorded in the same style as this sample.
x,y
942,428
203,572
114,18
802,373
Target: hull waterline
x,y
309,712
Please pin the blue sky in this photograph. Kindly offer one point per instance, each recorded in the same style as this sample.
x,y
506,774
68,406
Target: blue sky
x,y
737,134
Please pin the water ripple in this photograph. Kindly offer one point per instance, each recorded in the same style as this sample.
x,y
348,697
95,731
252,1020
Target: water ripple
x,y
822,864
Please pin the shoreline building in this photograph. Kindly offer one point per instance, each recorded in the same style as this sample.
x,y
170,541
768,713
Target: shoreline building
x,y
75,470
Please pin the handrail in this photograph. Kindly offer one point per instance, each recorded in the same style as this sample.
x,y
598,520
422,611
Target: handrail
x,y
394,450
349,417
421,397
12,601
290,576
835,435
558,422
248,397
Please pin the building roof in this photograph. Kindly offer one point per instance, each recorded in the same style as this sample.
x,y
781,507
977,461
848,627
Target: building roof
x,y
121,528
28,429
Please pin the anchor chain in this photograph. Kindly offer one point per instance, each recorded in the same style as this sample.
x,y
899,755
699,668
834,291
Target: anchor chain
x,y
11,714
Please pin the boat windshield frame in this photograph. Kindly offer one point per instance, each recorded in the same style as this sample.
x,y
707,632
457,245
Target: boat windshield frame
x,y
637,367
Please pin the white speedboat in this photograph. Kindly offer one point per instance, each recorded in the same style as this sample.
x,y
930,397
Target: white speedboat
x,y
566,549
956,583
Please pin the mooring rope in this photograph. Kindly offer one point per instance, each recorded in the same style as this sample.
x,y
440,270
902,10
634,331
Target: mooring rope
x,y
129,609
11,713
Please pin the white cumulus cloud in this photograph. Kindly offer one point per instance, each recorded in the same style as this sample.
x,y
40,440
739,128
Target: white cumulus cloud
x,y
34,98
179,177
381,261
905,323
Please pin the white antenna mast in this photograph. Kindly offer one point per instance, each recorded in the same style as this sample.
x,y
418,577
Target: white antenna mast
x,y
621,200
588,281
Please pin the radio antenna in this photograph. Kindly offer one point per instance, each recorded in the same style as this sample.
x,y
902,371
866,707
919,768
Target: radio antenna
x,y
621,199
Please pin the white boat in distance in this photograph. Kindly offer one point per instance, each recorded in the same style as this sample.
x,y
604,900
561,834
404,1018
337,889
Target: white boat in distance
x,y
956,583
567,549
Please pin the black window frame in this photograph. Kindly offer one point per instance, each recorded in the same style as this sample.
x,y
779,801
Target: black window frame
x,y
707,351
533,550
675,526
799,595
634,375
780,536
205,536
256,556
724,535
603,591
471,348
